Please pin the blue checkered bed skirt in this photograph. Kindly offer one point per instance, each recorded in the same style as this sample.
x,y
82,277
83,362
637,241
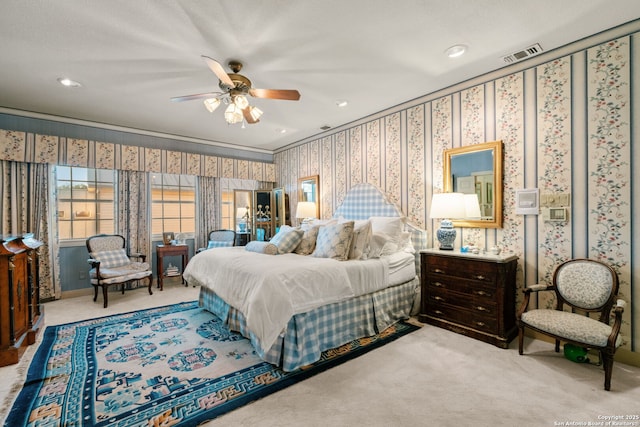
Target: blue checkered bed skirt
x,y
307,335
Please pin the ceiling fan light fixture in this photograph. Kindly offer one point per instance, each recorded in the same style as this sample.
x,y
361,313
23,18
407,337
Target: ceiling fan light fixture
x,y
456,51
233,114
241,101
212,104
255,113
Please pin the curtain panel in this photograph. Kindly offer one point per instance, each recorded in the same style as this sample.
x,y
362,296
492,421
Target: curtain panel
x,y
133,211
208,209
25,195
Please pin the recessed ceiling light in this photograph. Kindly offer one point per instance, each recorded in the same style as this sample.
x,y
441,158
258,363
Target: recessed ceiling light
x,y
281,130
342,103
68,82
456,50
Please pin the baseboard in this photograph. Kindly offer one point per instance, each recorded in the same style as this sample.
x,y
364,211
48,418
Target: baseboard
x,y
622,355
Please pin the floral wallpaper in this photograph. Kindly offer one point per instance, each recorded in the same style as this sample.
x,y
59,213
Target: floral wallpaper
x,y
35,148
566,129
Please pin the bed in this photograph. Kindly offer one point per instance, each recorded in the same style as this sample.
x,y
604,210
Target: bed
x,y
293,306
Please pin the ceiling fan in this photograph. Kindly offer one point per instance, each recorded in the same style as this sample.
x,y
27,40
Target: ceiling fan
x,y
235,88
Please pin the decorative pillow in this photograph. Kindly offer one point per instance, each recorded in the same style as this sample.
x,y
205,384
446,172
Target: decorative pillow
x,y
361,239
404,243
218,244
381,244
390,225
333,241
267,248
287,239
110,259
308,242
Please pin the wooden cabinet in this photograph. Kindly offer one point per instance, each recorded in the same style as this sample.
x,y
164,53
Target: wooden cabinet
x,y
20,311
470,294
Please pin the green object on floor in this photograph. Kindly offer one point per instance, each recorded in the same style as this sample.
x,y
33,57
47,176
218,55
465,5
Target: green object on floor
x,y
575,353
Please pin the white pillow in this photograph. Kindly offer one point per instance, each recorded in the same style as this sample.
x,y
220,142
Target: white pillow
x,y
287,239
360,242
333,241
381,245
389,225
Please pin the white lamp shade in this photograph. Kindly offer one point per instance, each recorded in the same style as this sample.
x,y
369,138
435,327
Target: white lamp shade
x,y
472,206
212,104
448,205
233,114
306,210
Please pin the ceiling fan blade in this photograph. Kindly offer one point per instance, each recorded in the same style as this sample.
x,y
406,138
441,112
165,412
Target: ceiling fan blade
x,y
196,96
247,116
218,70
287,94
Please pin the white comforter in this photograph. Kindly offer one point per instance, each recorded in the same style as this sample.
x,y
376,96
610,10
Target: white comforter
x,y
270,289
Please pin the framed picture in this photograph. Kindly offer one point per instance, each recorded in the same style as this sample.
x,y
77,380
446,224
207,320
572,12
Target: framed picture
x,y
167,237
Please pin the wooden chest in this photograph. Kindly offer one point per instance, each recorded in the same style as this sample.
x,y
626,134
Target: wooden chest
x,y
470,294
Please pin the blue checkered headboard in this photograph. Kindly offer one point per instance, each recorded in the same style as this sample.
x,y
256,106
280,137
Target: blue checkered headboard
x,y
366,200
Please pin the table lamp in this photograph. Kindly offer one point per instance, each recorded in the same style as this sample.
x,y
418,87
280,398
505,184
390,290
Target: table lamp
x,y
305,210
447,206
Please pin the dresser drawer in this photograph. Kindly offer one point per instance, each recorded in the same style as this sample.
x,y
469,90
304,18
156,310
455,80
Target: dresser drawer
x,y
466,286
480,305
452,267
473,319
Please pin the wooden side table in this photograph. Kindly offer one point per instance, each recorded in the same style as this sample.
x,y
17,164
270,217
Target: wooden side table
x,y
170,250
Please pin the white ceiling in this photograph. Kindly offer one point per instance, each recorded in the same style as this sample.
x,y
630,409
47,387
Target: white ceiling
x,y
131,57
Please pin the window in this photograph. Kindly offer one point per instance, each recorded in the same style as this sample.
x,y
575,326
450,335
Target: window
x,y
86,203
173,204
227,220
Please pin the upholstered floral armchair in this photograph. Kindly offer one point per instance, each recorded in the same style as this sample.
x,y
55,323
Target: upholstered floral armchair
x,y
585,286
112,265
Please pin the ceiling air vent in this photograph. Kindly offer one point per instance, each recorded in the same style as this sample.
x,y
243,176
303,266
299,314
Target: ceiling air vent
x,y
523,54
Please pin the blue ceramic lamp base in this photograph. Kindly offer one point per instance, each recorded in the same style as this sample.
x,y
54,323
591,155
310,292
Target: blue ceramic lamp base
x,y
446,235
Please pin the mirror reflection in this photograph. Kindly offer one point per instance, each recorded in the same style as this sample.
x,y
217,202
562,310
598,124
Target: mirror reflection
x,y
308,188
477,169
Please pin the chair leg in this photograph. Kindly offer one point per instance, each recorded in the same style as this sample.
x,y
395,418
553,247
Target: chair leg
x,y
95,293
557,346
104,295
150,283
607,363
520,339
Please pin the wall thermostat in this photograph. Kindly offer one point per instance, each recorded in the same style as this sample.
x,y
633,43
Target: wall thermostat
x,y
555,214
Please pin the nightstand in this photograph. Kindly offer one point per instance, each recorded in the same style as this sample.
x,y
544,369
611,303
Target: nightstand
x,y
170,250
470,294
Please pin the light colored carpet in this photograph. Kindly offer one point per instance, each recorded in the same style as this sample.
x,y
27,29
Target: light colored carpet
x,y
429,377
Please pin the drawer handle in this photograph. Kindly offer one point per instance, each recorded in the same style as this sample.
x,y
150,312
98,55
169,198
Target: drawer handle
x,y
438,284
437,270
438,312
481,308
481,293
479,277
438,298
480,323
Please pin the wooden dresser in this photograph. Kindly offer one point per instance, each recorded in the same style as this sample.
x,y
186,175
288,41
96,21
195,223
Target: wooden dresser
x,y
473,295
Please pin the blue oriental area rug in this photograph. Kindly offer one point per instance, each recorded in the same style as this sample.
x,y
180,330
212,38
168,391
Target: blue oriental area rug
x,y
176,365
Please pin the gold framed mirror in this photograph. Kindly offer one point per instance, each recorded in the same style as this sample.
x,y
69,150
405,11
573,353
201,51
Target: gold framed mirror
x,y
281,208
243,211
309,191
477,169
